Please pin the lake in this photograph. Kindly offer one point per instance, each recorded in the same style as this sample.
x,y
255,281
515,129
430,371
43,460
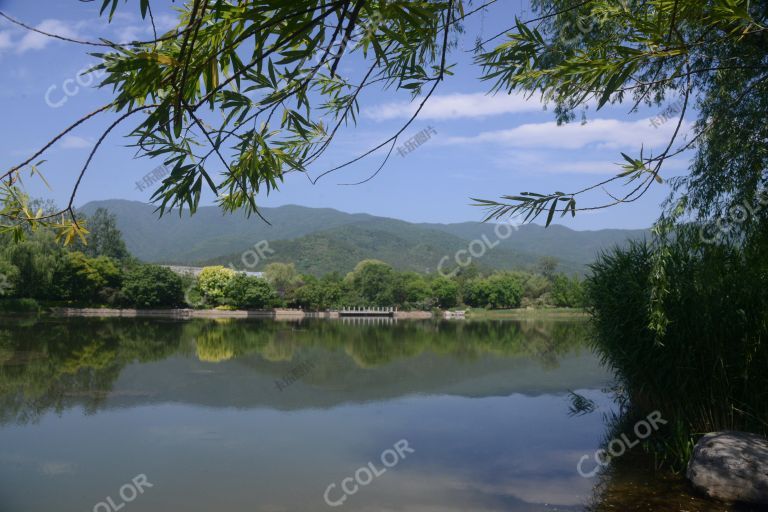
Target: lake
x,y
151,415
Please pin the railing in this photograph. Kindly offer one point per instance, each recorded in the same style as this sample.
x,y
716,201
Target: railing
x,y
368,320
368,311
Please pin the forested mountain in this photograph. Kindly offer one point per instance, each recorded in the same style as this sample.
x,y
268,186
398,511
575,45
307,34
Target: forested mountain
x,y
321,240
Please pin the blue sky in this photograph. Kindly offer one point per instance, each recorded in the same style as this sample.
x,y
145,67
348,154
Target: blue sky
x,y
484,146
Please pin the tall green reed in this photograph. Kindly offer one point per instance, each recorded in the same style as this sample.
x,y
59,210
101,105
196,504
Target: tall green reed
x,y
709,371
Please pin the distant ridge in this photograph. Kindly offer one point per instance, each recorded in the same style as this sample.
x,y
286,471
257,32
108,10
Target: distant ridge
x,y
321,240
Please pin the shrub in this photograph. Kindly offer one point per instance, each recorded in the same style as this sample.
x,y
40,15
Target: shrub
x,y
151,286
19,305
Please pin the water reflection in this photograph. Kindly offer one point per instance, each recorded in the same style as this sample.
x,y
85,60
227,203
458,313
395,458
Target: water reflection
x,y
87,404
52,365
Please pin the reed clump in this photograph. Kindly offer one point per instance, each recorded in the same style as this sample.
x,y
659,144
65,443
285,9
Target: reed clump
x,y
708,370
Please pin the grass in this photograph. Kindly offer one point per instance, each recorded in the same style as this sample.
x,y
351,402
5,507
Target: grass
x,y
527,313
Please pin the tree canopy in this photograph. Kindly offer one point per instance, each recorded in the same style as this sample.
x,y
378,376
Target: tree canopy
x,y
239,94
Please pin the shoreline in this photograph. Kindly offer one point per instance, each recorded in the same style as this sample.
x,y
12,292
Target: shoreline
x,y
528,313
297,314
185,314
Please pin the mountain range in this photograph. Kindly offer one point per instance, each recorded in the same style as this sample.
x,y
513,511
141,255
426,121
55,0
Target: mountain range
x,y
321,240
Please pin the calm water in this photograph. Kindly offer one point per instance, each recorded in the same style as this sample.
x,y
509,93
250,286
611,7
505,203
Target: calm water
x,y
264,416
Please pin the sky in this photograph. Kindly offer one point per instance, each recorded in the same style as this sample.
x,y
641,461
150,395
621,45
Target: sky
x,y
480,145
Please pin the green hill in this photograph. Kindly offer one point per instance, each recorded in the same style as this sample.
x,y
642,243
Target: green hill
x,y
320,240
417,249
576,246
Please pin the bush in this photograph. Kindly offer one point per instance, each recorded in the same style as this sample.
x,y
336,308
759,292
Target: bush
x,y
19,305
151,286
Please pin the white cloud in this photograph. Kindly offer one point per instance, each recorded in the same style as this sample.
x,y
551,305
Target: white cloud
x,y
548,162
165,22
5,40
75,142
130,33
35,41
597,133
131,28
454,106
124,16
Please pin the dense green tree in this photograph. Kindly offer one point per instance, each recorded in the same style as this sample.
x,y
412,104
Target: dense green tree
x,y
536,288
373,281
468,272
9,278
35,259
498,291
213,282
104,239
567,292
445,292
411,290
243,291
283,278
547,266
152,286
81,278
319,294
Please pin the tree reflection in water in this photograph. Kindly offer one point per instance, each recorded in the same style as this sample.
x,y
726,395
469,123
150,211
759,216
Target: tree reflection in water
x,y
52,364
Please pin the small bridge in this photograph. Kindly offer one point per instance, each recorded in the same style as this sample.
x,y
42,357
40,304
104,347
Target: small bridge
x,y
368,320
368,311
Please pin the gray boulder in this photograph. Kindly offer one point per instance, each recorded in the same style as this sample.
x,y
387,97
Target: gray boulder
x,y
731,466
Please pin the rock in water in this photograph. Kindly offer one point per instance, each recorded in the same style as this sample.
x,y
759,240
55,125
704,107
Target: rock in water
x,y
731,466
